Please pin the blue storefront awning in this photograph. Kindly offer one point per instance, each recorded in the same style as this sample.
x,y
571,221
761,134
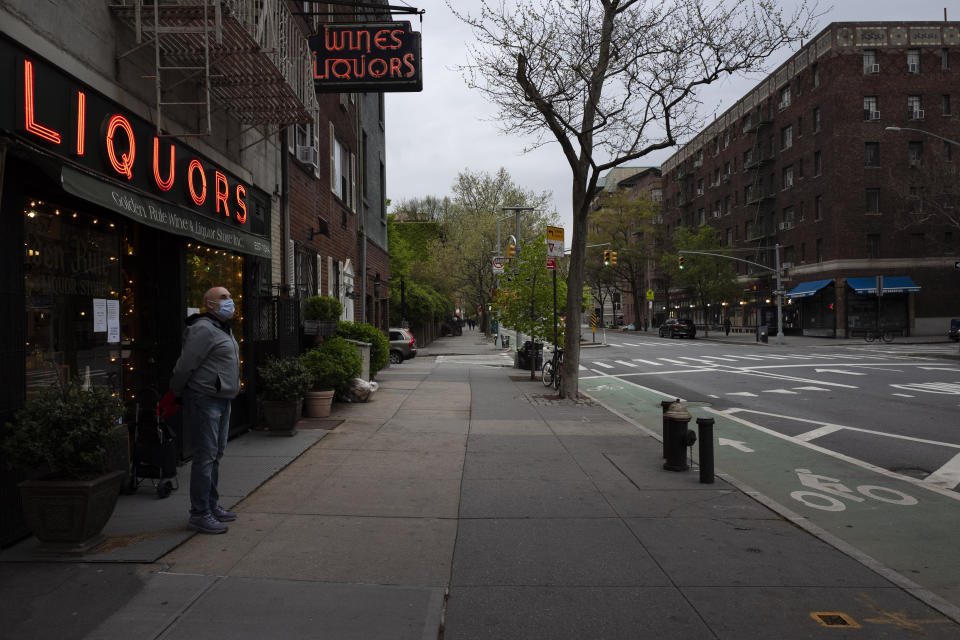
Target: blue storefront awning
x,y
891,284
806,289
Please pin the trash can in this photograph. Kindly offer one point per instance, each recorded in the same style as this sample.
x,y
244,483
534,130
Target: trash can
x,y
531,351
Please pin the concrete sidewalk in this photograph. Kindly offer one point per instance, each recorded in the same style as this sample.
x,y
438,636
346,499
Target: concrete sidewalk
x,y
463,502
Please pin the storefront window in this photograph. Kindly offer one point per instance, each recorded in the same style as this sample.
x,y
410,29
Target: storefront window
x,y
76,305
209,267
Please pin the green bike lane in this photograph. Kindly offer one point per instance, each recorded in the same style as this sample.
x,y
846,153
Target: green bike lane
x,y
899,527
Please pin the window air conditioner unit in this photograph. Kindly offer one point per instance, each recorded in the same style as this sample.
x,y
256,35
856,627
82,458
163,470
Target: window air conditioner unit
x,y
913,67
308,155
874,115
785,226
699,191
725,178
918,114
717,214
783,105
874,68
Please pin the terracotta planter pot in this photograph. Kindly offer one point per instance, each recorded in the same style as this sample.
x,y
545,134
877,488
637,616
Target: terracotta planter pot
x,y
281,416
68,516
318,403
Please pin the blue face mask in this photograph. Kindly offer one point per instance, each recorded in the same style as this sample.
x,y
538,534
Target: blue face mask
x,y
225,312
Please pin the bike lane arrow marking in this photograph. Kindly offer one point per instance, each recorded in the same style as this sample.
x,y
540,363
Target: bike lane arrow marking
x,y
736,444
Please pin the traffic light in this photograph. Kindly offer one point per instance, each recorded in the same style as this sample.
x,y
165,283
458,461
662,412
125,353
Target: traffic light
x,y
606,257
511,251
613,257
680,261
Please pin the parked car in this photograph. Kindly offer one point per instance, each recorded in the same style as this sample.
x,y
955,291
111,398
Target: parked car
x,y
678,328
403,345
954,333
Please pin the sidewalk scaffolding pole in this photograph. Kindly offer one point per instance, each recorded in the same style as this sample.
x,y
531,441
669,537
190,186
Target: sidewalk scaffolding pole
x,y
705,429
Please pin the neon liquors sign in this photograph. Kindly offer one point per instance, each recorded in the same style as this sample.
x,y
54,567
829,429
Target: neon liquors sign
x,y
364,57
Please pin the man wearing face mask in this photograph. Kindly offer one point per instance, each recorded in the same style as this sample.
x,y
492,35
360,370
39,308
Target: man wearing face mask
x,y
207,378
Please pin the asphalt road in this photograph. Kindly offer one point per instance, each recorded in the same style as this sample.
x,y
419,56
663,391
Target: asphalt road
x,y
879,403
858,444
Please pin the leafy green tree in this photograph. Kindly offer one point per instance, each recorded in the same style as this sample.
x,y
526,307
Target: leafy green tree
x,y
525,299
711,279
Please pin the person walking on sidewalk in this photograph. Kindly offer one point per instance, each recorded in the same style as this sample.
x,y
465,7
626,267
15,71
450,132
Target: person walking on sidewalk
x,y
726,326
207,379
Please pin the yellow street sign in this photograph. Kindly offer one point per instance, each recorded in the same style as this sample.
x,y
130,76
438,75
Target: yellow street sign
x,y
649,294
555,234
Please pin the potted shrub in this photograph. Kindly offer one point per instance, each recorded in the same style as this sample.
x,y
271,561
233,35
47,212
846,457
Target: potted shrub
x,y
332,365
285,381
379,345
72,433
320,314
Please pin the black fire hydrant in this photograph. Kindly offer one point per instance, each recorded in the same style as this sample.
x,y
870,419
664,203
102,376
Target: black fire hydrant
x,y
677,437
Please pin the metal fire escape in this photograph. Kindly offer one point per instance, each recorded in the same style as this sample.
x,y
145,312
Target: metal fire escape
x,y
248,58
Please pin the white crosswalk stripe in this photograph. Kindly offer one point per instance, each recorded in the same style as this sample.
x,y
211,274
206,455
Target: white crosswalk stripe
x,y
603,364
626,364
650,362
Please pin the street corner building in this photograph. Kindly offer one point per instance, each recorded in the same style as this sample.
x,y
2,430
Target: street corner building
x,y
845,159
151,151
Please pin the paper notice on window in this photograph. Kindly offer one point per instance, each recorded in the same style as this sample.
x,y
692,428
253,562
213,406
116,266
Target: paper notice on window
x,y
113,321
99,315
192,311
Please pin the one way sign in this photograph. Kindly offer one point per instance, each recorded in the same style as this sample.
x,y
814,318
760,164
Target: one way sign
x,y
555,242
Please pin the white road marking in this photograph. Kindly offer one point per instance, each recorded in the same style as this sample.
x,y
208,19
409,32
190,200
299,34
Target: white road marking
x,y
672,361
939,369
615,345
947,476
736,444
783,391
742,357
603,364
810,389
745,394
700,360
946,388
710,395
582,368
846,373
818,433
903,395
650,362
717,358
626,364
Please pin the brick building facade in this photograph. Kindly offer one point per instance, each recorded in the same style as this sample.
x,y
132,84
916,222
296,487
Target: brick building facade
x,y
806,161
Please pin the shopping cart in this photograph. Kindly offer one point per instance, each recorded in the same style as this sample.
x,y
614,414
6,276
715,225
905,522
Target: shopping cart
x,y
154,444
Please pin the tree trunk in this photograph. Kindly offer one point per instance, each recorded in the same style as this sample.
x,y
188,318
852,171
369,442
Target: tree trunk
x,y
570,387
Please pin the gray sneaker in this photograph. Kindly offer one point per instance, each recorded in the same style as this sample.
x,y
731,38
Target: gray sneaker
x,y
222,514
206,523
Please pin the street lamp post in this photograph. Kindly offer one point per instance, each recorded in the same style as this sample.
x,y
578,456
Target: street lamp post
x,y
954,142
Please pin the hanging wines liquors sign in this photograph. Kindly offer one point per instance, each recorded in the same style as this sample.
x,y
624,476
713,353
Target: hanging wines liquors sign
x,y
366,57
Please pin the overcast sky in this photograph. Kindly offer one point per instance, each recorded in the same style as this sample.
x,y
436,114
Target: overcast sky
x,y
446,128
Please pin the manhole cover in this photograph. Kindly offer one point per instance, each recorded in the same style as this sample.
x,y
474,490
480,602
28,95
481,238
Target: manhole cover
x,y
834,619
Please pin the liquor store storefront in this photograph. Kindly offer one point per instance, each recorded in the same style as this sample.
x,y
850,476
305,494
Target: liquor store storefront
x,y
110,237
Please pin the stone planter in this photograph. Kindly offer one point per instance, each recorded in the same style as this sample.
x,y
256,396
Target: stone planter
x,y
281,416
318,403
68,516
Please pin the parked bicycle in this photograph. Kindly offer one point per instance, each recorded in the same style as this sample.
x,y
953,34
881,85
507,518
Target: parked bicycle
x,y
886,335
552,371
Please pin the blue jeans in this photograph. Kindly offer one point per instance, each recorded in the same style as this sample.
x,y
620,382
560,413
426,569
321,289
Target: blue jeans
x,y
208,419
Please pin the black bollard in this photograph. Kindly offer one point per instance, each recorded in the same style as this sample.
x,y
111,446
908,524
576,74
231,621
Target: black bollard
x,y
705,429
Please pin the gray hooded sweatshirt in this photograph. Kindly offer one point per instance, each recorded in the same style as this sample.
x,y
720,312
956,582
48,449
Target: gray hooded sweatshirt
x,y
210,360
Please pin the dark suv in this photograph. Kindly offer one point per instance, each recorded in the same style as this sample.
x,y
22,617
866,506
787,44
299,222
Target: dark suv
x,y
678,328
403,345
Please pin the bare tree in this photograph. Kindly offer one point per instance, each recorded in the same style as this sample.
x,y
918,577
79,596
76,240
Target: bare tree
x,y
613,80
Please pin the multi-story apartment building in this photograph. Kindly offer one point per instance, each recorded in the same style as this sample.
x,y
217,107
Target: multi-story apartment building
x,y
843,158
149,151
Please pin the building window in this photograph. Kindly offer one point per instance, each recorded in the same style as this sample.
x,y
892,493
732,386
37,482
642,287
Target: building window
x,y
726,138
817,163
871,154
816,119
913,61
819,249
914,108
871,108
383,192
944,59
786,137
873,245
726,205
945,102
799,126
947,151
342,171
788,177
702,215
784,98
803,252
873,201
818,208
801,211
870,61
788,218
915,200
915,153
816,75
700,187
